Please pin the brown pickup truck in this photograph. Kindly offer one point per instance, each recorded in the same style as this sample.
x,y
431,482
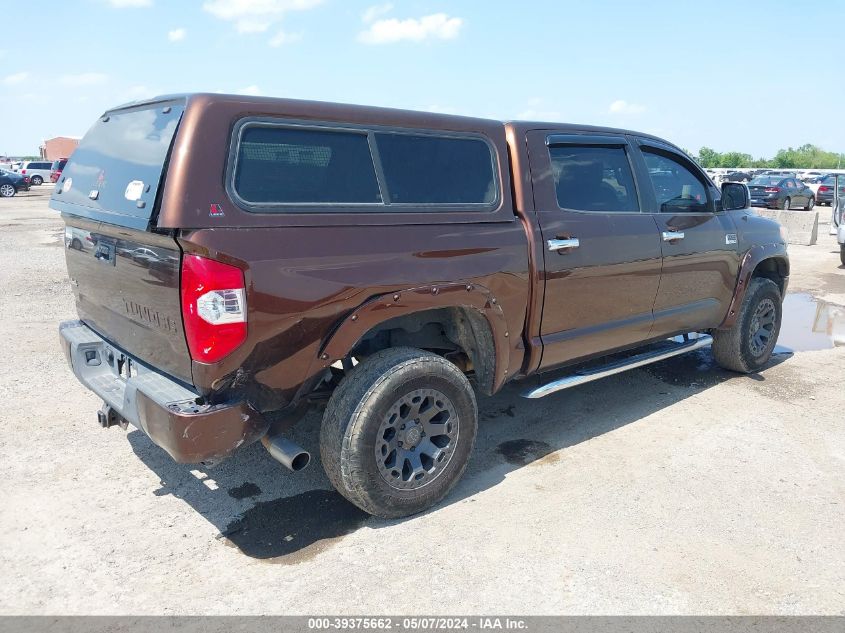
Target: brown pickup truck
x,y
236,260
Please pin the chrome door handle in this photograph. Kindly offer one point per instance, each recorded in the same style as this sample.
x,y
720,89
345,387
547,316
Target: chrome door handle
x,y
564,245
671,236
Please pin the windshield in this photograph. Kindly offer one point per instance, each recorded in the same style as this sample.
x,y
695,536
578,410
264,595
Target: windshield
x,y
117,168
765,181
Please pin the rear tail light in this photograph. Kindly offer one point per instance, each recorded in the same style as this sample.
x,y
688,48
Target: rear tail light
x,y
23,171
772,189
824,188
213,308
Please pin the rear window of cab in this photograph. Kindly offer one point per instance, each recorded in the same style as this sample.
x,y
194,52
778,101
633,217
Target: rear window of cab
x,y
280,167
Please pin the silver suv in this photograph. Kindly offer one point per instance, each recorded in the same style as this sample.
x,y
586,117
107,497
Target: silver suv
x,y
38,171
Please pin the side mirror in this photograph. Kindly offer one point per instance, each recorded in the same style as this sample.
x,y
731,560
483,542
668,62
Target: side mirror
x,y
735,195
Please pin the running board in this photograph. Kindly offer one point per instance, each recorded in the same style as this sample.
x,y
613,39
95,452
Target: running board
x,y
646,358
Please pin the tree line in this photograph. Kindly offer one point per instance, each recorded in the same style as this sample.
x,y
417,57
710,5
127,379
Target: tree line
x,y
805,157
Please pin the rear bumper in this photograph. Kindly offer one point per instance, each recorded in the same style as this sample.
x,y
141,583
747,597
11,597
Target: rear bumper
x,y
156,404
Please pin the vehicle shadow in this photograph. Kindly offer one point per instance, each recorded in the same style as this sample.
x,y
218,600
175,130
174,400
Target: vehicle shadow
x,y
269,513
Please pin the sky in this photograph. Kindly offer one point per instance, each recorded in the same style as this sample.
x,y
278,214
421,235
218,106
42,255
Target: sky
x,y
746,76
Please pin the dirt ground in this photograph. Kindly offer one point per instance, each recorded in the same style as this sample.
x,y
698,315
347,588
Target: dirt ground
x,y
673,489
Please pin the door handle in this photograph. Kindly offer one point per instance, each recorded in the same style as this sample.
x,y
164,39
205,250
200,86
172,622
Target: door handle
x,y
564,245
671,236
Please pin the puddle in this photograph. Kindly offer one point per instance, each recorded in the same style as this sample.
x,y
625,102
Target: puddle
x,y
294,529
521,452
810,324
244,491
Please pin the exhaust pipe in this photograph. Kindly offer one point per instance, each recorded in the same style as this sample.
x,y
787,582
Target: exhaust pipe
x,y
289,454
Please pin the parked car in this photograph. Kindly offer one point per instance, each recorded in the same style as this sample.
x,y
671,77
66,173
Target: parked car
x,y
37,171
776,192
738,176
11,183
824,193
372,261
56,169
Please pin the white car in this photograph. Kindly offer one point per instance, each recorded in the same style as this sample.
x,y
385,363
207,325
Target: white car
x,y
38,171
837,224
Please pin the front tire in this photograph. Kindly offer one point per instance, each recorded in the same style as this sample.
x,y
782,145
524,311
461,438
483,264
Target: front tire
x,y
398,431
7,191
786,204
748,345
811,204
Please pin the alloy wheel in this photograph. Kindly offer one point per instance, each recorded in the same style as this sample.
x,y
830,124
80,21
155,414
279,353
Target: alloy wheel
x,y
7,191
416,439
762,326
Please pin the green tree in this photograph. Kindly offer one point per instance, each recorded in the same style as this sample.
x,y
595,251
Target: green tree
x,y
708,157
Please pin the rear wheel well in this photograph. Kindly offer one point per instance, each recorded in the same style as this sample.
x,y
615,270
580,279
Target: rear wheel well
x,y
775,269
461,335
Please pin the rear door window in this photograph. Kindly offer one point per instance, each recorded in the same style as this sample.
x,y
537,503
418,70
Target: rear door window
x,y
676,187
593,178
427,169
278,165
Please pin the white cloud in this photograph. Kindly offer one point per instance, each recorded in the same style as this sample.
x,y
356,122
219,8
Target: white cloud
x,y
15,79
436,26
255,16
176,35
129,4
283,37
620,106
83,79
251,91
375,11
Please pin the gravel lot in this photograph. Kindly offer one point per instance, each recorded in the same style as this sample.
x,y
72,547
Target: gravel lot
x,y
674,489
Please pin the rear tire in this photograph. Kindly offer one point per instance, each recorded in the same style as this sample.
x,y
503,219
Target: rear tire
x,y
37,181
398,431
748,345
786,204
811,204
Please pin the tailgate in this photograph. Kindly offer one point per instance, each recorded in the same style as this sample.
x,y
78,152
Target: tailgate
x,y
126,285
125,275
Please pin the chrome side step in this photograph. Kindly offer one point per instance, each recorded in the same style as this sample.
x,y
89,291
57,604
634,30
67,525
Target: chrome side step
x,y
687,344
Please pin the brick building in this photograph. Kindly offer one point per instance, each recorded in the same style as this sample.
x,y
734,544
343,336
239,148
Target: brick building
x,y
59,147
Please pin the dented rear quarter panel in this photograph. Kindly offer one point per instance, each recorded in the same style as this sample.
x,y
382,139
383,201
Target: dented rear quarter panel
x,y
301,285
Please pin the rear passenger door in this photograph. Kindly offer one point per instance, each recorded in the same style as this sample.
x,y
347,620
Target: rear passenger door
x,y
698,241
601,268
